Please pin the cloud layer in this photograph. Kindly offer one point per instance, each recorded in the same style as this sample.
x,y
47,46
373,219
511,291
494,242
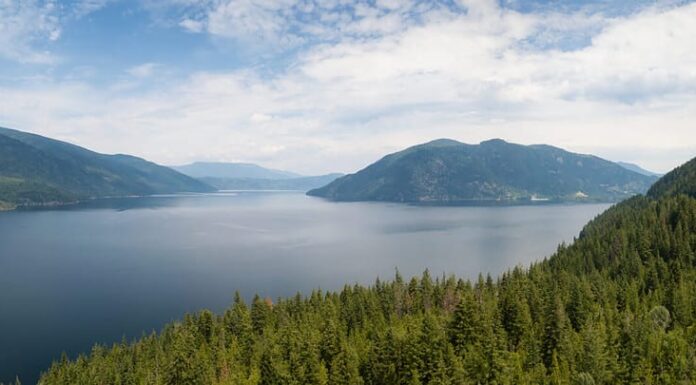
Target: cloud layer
x,y
368,79
23,23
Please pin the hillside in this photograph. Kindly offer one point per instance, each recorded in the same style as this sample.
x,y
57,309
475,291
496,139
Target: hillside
x,y
449,172
615,307
35,170
232,171
681,180
636,168
304,183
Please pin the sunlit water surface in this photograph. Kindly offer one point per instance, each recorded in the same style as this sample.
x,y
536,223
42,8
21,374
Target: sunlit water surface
x,y
96,272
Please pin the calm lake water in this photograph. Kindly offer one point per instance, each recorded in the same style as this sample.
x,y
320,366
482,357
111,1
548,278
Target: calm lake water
x,y
100,271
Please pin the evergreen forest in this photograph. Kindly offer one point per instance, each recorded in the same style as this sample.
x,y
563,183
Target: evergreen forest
x,y
617,306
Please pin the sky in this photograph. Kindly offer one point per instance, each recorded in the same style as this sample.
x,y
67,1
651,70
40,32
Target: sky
x,y
318,86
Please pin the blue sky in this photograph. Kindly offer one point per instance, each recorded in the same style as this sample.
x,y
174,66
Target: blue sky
x,y
319,86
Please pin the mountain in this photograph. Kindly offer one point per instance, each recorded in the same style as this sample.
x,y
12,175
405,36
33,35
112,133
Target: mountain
x,y
298,184
449,172
232,170
636,168
614,307
248,176
35,170
681,180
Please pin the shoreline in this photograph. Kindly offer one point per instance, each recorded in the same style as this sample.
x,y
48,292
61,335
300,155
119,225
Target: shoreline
x,y
15,207
7,206
482,202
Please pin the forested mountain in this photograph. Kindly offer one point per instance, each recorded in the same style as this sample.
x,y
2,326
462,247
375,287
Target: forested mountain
x,y
618,306
36,170
681,180
304,183
450,172
232,170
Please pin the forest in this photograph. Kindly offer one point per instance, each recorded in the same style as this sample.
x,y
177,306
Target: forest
x,y
616,306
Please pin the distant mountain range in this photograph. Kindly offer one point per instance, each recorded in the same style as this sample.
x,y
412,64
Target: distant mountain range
x,y
232,171
248,176
636,168
449,172
304,183
35,170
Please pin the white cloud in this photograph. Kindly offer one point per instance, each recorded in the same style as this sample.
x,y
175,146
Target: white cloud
x,y
144,70
82,8
282,24
257,117
243,18
629,94
192,25
22,23
27,27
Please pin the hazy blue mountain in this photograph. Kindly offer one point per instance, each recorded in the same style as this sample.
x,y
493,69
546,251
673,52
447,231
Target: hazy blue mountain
x,y
636,168
232,170
449,172
38,170
300,184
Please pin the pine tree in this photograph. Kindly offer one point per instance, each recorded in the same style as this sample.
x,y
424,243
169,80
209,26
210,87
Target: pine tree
x,y
271,374
465,327
345,368
553,330
183,368
260,314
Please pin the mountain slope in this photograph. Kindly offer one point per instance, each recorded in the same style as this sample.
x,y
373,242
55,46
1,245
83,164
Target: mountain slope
x,y
681,180
636,168
39,170
24,174
232,170
615,307
447,171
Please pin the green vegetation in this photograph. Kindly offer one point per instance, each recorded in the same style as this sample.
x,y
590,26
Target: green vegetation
x,y
448,172
14,191
682,180
39,171
618,306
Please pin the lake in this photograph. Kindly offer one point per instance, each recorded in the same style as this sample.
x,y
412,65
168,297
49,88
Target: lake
x,y
109,269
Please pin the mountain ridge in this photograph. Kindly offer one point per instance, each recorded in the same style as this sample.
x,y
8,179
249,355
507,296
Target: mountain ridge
x,y
681,180
447,171
304,183
36,170
638,169
232,170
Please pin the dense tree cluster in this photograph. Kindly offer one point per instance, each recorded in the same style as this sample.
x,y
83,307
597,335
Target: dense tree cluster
x,y
681,180
616,307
